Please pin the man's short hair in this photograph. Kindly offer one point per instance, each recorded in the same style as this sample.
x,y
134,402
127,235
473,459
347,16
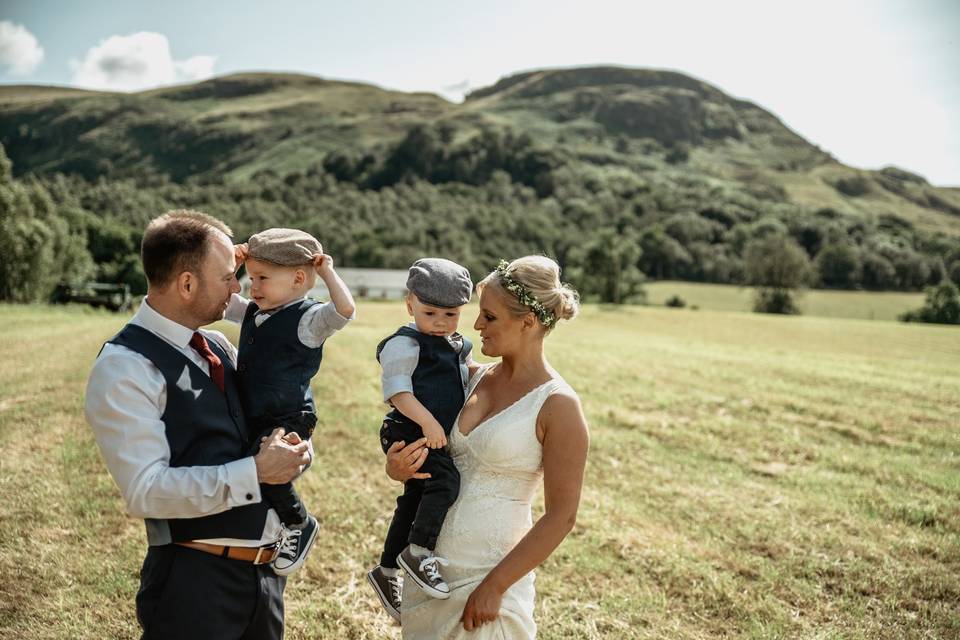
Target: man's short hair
x,y
175,242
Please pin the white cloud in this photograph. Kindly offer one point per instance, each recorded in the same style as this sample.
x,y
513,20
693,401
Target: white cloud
x,y
19,50
195,68
138,61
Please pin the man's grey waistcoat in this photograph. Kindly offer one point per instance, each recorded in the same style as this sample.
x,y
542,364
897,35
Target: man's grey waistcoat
x,y
204,427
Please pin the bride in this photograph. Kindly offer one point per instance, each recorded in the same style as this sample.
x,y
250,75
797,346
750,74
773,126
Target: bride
x,y
521,422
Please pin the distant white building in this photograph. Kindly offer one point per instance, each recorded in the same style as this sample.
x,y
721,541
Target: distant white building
x,y
371,284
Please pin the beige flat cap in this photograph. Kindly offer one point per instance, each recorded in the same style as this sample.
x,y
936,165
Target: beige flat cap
x,y
286,247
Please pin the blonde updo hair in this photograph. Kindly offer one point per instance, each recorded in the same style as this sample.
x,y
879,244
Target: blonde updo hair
x,y
540,275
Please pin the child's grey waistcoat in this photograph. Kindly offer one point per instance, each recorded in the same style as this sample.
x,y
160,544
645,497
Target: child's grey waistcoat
x,y
437,382
274,368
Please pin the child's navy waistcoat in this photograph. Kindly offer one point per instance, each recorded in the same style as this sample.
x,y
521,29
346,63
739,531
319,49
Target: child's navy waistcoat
x,y
204,427
273,367
437,383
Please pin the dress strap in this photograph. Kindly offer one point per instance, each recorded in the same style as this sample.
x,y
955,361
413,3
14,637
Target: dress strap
x,y
541,395
555,385
475,380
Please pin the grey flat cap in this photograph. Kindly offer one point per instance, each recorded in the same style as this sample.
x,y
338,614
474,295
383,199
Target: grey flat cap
x,y
440,283
286,247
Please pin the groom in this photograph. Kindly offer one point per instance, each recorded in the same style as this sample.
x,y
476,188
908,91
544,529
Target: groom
x,y
163,404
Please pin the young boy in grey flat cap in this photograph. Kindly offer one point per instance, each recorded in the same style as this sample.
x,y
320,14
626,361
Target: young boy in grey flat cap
x,y
282,333
425,369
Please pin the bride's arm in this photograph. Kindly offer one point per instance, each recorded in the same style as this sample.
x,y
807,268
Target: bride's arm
x,y
565,442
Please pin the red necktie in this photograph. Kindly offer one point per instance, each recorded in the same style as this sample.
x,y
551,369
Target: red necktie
x,y
199,344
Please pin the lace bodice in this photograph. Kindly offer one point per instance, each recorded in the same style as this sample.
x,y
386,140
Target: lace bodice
x,y
500,464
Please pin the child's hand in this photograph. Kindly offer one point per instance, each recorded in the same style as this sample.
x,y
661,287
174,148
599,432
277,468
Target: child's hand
x,y
323,264
293,437
240,252
436,438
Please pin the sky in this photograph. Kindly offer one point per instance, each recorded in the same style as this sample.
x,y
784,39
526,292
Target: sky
x,y
874,82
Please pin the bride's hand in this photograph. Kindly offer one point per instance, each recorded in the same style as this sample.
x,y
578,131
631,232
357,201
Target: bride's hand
x,y
404,461
483,606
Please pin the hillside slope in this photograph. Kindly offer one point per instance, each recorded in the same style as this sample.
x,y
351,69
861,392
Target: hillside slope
x,y
639,119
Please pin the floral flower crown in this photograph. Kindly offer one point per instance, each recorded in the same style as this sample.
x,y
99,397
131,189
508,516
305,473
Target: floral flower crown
x,y
526,298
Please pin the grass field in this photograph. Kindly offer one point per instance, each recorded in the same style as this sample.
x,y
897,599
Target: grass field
x,y
749,477
863,305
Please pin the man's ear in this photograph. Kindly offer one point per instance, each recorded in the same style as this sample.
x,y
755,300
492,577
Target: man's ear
x,y
187,285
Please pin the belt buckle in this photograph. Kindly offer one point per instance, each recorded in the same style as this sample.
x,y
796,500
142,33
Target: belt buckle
x,y
260,551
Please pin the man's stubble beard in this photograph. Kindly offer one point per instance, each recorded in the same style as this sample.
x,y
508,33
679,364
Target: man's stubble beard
x,y
207,310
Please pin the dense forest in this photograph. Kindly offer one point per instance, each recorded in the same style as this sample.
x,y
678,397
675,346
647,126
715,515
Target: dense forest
x,y
638,190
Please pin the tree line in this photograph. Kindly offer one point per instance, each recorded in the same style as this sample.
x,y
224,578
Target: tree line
x,y
474,200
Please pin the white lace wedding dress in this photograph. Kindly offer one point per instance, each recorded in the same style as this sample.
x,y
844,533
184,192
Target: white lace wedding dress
x,y
500,464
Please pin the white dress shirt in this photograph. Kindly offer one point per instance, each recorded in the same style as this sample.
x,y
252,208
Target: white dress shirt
x,y
126,397
318,323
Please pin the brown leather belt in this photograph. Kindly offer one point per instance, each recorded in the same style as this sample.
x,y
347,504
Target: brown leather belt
x,y
256,555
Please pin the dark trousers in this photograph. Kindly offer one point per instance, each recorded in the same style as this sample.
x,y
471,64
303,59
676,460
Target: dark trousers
x,y
423,505
283,497
186,594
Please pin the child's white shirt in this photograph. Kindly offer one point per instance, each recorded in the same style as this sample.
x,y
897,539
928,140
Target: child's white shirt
x,y
400,356
318,323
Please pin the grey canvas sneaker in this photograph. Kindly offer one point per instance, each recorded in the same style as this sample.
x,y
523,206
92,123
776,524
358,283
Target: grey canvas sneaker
x,y
389,590
425,572
294,547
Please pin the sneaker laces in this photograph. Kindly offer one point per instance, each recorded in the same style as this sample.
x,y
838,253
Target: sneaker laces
x,y
429,566
396,588
289,543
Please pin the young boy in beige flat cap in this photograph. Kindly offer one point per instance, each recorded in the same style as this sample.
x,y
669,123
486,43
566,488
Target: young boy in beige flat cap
x,y
282,333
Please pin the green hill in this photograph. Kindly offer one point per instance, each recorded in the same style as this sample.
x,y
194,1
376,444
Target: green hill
x,y
233,126
667,107
210,128
612,170
724,138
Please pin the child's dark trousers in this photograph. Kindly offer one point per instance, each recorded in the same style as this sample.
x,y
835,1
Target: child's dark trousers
x,y
423,505
283,497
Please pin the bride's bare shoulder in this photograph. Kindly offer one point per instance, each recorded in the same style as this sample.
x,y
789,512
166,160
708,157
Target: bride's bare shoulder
x,y
562,416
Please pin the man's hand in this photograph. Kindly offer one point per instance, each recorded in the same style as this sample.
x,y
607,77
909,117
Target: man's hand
x,y
435,436
279,461
404,461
